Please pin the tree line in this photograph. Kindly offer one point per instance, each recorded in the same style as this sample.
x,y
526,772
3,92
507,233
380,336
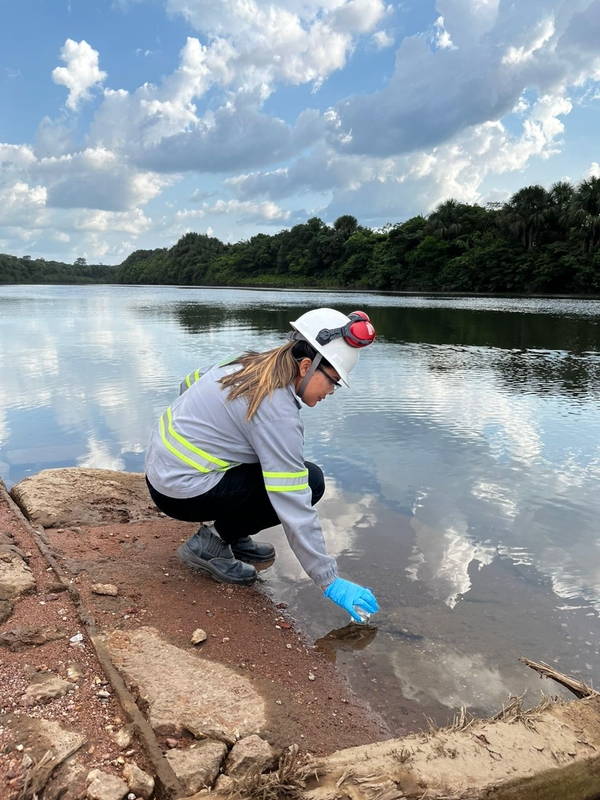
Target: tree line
x,y
545,241
539,241
38,270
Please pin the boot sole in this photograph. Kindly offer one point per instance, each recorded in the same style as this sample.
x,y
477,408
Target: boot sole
x,y
247,559
202,565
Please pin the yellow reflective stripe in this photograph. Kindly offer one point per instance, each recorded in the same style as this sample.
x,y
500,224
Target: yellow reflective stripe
x,y
190,446
286,488
301,474
286,481
176,452
188,378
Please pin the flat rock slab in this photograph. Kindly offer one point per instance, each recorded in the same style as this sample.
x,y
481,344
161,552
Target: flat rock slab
x,y
22,636
58,498
38,736
185,691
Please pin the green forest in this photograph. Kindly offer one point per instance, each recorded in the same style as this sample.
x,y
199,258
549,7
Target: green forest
x,y
30,270
539,241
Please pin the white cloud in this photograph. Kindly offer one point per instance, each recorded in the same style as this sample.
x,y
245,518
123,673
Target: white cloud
x,y
257,43
133,222
383,39
436,94
379,190
441,37
594,170
22,205
543,33
247,210
97,178
81,74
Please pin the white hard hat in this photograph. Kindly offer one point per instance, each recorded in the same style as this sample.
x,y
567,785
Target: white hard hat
x,y
342,357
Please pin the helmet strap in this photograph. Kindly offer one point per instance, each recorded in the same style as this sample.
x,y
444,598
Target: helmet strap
x,y
311,371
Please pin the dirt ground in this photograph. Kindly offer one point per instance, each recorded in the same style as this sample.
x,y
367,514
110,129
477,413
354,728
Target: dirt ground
x,y
244,630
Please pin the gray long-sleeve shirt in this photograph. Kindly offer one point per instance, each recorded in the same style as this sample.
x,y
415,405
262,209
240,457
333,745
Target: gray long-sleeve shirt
x,y
218,428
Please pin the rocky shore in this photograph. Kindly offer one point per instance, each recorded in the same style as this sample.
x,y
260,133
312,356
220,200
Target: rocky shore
x,y
125,675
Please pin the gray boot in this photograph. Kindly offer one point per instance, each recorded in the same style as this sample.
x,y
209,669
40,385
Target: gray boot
x,y
246,549
207,552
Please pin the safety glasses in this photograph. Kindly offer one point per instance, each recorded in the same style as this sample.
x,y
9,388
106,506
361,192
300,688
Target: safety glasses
x,y
333,381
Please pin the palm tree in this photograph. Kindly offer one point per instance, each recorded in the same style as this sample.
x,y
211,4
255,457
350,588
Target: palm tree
x,y
586,212
446,221
526,212
561,197
345,226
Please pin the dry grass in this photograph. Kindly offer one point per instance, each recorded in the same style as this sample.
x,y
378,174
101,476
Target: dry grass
x,y
285,783
514,711
461,721
36,777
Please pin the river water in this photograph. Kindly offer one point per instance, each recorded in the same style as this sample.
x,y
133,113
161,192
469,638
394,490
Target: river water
x,y
463,467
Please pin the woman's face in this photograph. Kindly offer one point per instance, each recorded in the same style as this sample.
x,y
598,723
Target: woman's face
x,y
324,381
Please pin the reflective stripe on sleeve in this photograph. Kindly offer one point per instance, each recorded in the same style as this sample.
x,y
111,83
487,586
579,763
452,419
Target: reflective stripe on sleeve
x,y
184,450
286,481
192,378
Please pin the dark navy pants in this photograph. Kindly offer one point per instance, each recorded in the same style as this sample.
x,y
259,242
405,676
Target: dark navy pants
x,y
239,503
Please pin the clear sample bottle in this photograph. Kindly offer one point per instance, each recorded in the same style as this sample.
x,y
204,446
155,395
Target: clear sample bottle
x,y
364,616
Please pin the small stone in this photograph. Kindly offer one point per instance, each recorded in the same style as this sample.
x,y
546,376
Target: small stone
x,y
252,751
103,694
45,688
138,781
311,677
105,588
74,672
77,638
198,636
289,646
225,639
105,787
172,743
278,702
198,766
223,784
123,738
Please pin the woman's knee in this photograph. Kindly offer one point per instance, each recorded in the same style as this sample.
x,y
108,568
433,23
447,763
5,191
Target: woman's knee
x,y
316,481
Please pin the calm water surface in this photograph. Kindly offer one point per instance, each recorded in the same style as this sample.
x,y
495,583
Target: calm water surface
x,y
463,467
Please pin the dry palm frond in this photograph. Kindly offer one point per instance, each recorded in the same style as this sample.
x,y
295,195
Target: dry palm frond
x,y
579,688
285,783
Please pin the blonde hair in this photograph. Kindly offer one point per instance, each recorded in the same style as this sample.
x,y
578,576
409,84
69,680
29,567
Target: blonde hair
x,y
261,374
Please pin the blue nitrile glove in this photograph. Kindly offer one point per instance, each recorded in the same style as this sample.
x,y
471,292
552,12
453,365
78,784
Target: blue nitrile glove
x,y
347,595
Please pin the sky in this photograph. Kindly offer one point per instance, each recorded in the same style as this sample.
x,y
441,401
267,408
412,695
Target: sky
x,y
124,124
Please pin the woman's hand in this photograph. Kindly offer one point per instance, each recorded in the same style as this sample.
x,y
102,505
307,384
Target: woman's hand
x,y
347,595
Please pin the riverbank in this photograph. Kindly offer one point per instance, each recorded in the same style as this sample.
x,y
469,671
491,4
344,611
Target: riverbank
x,y
105,695
254,673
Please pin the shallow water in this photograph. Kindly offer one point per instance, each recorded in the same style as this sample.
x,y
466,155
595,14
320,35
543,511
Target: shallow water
x,y
462,467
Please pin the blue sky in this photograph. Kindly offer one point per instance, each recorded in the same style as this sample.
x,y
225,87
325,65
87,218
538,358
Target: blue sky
x,y
125,124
